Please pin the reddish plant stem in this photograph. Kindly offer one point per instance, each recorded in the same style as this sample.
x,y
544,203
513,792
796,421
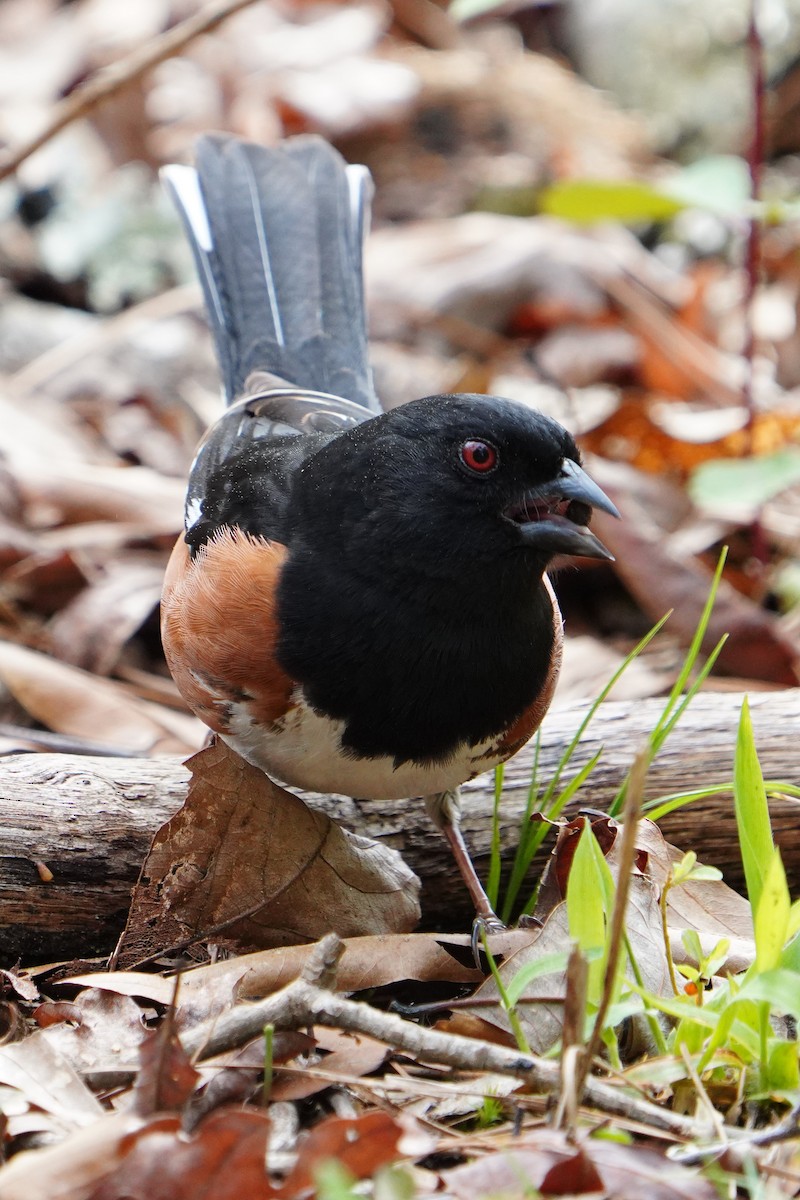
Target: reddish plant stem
x,y
755,163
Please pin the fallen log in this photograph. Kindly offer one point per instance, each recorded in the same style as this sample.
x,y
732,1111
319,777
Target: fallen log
x,y
75,829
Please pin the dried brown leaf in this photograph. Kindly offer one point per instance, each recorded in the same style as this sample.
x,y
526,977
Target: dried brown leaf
x,y
19,984
247,863
56,1012
72,701
99,1035
367,962
361,1145
546,1161
49,1084
659,579
60,493
166,1077
707,906
541,1006
72,1168
224,1159
348,1054
45,581
91,631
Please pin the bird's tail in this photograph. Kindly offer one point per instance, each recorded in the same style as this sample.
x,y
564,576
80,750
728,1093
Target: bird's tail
x,y
277,236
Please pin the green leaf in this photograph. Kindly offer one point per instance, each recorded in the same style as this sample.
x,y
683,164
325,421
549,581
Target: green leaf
x,y
782,1066
720,182
752,812
548,964
691,942
586,892
334,1181
585,201
790,958
771,923
794,920
779,988
740,484
465,10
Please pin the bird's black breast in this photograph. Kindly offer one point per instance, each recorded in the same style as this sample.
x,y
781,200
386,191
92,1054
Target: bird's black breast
x,y
412,674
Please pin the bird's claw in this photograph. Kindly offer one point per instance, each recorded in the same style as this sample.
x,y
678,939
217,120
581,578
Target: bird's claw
x,y
484,923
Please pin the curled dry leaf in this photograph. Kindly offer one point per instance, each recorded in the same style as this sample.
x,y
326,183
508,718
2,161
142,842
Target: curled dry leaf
x,y
547,1162
367,962
57,1012
710,907
72,1168
20,985
166,1077
59,493
705,905
541,1005
99,1035
224,1158
350,1055
56,1097
72,701
91,631
250,865
659,579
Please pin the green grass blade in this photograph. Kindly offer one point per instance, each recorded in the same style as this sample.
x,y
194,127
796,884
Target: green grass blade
x,y
696,643
539,831
752,811
550,804
702,676
676,701
589,899
660,806
620,671
771,921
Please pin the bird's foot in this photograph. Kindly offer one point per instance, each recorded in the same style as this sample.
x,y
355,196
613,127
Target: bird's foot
x,y
485,924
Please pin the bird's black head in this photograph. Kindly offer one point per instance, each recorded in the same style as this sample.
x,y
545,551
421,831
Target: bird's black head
x,y
447,481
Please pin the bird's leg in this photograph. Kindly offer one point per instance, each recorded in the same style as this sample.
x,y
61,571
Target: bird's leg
x,y
444,809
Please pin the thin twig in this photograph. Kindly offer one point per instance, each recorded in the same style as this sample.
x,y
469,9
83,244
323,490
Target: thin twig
x,y
755,164
786,1130
117,75
301,1004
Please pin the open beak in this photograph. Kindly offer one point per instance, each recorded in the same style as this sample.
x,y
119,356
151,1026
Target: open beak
x,y
554,517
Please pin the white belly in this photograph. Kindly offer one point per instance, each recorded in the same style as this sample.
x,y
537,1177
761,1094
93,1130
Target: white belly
x,y
304,749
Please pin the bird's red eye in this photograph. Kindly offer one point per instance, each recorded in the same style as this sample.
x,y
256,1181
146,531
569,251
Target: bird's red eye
x,y
478,456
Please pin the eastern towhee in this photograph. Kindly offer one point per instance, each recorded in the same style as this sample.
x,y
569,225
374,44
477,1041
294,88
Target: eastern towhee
x,y
359,603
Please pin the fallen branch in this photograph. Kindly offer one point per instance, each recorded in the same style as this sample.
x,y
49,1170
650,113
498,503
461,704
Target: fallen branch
x,y
304,1003
88,822
112,78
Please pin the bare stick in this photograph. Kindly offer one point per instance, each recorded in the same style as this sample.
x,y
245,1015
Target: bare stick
x,y
117,75
303,1003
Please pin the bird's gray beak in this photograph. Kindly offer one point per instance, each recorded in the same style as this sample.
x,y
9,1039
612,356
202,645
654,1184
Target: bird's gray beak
x,y
554,517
